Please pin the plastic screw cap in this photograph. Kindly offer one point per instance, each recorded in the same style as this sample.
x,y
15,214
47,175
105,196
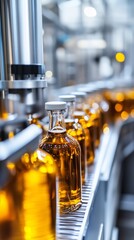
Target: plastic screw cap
x,y
87,90
79,94
55,105
67,98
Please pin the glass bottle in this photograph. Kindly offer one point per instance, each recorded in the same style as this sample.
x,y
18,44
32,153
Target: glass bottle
x,y
67,154
28,199
89,127
76,130
100,89
91,108
129,101
116,100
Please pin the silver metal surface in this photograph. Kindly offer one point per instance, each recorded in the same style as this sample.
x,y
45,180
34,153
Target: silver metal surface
x,y
5,39
115,234
3,85
100,237
27,84
73,226
14,148
21,33
120,147
26,31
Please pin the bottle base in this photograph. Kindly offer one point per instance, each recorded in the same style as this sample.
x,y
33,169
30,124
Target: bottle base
x,y
69,208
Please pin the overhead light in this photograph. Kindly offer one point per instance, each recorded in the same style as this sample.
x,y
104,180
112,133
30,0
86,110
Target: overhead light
x,y
48,74
90,11
92,43
120,57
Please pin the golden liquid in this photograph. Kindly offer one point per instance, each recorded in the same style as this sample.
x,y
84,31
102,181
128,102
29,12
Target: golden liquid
x,y
129,102
116,101
75,130
89,133
105,108
3,110
96,121
66,152
28,201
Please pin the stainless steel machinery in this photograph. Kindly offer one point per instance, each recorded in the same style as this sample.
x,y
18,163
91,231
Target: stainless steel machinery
x,y
22,66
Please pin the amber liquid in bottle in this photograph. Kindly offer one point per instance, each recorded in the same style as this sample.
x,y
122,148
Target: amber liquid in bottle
x,y
129,102
116,101
95,119
104,110
94,116
89,133
66,152
75,130
3,109
28,201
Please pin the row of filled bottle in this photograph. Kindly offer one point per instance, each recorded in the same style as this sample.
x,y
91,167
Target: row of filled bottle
x,y
48,181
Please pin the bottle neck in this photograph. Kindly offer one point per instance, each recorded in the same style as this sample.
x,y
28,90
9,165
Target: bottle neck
x,y
70,110
79,103
56,121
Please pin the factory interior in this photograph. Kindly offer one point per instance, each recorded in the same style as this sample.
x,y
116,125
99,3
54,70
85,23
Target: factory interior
x,y
66,120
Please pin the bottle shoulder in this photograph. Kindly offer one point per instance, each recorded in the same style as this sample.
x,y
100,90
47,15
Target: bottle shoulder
x,y
58,141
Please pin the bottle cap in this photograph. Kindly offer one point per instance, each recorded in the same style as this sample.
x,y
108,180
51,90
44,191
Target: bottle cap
x,y
67,98
55,105
79,113
88,89
79,94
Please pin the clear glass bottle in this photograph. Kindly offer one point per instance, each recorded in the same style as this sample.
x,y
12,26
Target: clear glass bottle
x,y
87,123
83,119
91,107
129,101
75,129
28,199
67,154
100,89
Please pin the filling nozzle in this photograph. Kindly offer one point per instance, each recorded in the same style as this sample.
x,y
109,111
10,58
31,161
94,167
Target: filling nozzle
x,y
29,84
22,44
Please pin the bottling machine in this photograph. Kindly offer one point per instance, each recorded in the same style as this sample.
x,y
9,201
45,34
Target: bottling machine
x,y
107,201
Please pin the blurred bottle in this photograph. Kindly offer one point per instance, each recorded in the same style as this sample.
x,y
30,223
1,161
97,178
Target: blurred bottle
x,y
76,130
85,120
92,109
116,97
67,154
101,87
28,195
129,101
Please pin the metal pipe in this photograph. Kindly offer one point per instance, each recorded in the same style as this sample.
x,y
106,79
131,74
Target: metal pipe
x,y
22,45
6,55
21,27
26,31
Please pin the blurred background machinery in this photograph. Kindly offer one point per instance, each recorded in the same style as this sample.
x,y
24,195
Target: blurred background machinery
x,y
88,40
61,45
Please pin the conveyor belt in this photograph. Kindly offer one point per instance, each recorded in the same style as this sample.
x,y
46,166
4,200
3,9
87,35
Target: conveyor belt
x,y
72,226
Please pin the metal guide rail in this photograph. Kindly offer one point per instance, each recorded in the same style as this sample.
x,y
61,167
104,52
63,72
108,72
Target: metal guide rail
x,y
73,226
